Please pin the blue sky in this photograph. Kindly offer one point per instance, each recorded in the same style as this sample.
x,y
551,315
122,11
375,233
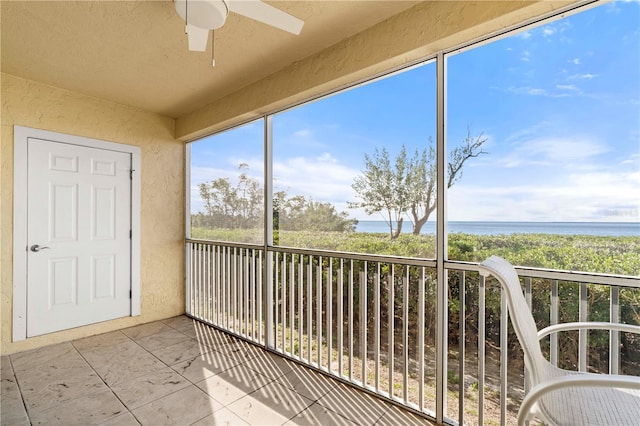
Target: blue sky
x,y
559,105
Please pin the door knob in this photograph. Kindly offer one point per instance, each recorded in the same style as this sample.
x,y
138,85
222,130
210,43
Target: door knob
x,y
36,248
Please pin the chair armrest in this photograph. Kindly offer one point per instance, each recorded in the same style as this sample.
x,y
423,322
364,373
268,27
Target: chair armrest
x,y
580,380
588,325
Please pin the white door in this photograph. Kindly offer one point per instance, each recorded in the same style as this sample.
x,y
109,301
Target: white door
x,y
78,234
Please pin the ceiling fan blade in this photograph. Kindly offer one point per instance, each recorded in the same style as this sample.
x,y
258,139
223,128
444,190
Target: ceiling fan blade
x,y
198,38
266,14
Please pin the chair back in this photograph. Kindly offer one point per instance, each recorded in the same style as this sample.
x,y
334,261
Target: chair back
x,y
519,312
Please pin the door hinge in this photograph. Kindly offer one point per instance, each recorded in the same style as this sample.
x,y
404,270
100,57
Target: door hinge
x,y
130,234
129,294
131,173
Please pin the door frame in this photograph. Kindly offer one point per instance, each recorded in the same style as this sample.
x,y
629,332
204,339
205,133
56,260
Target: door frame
x,y
21,137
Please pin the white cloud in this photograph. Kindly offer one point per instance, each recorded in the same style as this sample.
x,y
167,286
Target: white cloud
x,y
526,56
575,61
323,178
548,31
598,196
551,150
586,76
566,87
525,35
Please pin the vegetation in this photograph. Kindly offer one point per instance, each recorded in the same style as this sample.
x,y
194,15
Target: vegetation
x,y
585,253
239,209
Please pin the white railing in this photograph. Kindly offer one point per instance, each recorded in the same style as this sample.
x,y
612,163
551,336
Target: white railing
x,y
371,321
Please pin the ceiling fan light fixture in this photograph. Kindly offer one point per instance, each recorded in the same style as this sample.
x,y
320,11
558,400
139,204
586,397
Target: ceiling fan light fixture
x,y
205,14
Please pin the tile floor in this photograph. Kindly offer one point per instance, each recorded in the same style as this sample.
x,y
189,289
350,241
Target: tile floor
x,y
177,372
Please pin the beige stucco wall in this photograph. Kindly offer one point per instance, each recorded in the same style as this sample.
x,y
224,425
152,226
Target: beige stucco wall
x,y
31,104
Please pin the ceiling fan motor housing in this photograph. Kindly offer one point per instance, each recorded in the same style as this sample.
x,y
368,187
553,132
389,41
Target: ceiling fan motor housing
x,y
206,14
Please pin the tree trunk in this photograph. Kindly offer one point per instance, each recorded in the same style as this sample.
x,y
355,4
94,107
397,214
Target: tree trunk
x,y
394,234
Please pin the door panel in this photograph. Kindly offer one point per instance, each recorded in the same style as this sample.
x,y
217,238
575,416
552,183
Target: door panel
x,y
79,213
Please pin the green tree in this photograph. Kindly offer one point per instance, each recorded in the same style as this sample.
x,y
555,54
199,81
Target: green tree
x,y
409,187
383,188
300,213
228,206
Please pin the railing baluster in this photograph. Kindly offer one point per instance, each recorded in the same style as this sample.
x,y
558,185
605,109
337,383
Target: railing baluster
x,y
292,305
259,287
583,335
200,272
300,304
461,344
391,329
614,335
329,312
421,318
481,348
350,320
309,311
504,328
319,311
405,335
252,295
283,312
276,301
340,318
363,322
376,325
554,320
528,297
247,288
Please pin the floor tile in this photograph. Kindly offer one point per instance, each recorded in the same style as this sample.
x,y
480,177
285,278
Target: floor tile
x,y
204,366
60,389
397,416
307,382
12,411
222,417
144,330
210,336
145,389
183,407
86,410
100,342
6,370
239,350
233,384
31,359
162,340
355,405
271,404
125,419
270,364
182,351
318,415
124,362
182,322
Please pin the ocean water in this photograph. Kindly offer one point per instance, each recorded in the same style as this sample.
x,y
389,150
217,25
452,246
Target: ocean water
x,y
605,229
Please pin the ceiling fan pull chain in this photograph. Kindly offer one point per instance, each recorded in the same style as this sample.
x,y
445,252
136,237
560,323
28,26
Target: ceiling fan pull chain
x,y
213,37
186,16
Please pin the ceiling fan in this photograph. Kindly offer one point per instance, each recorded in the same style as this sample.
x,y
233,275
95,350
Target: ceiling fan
x,y
200,16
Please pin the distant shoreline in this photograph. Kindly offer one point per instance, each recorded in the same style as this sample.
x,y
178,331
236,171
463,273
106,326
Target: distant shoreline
x,y
605,229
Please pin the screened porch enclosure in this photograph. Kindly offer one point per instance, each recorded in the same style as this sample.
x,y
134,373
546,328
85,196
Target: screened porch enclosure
x,y
344,233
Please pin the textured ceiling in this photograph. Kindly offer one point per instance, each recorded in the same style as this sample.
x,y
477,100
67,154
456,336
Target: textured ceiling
x,y
135,52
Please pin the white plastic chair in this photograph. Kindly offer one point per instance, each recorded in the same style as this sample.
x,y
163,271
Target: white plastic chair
x,y
557,396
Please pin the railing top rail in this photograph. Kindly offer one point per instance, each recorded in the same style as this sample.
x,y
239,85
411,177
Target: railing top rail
x,y
571,276
523,271
358,256
224,243
327,253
